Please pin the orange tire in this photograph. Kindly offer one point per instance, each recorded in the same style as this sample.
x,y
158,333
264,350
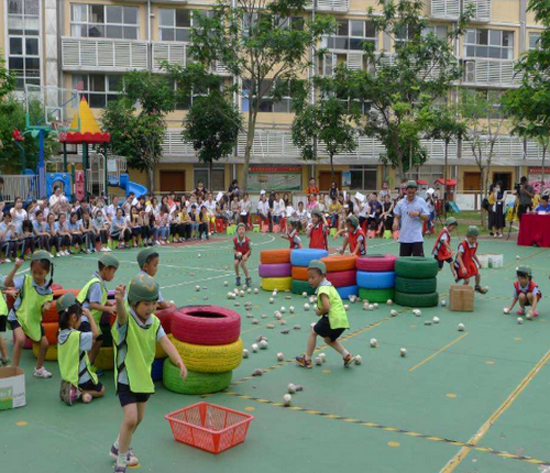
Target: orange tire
x,y
299,273
50,316
275,256
50,330
339,263
59,292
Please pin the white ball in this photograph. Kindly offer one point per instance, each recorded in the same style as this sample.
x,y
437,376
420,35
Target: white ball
x,y
427,322
358,359
249,291
197,288
323,357
263,345
436,320
291,309
371,307
280,356
346,307
172,302
461,327
520,320
506,310
242,293
271,300
256,290
230,295
287,399
318,361
291,388
255,347
403,352
312,299
365,306
199,256
394,313
236,291
304,294
517,256
443,303
529,316
245,353
274,294
283,310
225,283
375,305
373,342
306,306
389,302
352,299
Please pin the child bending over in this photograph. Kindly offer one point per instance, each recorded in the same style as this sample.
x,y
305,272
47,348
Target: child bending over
x,y
527,292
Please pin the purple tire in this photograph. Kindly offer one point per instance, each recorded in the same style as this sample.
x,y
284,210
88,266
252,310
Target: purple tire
x,y
280,270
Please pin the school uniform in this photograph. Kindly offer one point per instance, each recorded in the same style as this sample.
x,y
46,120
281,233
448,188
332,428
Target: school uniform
x,y
318,237
468,252
94,291
440,251
333,324
531,288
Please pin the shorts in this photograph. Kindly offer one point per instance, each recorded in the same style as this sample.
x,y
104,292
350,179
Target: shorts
x,y
411,249
442,262
471,270
90,386
237,258
15,324
322,328
3,322
126,396
539,295
85,327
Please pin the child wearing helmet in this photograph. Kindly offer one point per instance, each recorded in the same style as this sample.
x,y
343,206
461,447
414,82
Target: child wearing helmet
x,y
355,237
318,230
291,234
34,298
527,292
466,262
442,251
136,333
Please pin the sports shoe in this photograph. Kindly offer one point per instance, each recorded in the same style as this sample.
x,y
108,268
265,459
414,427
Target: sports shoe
x,y
7,260
131,459
520,312
349,359
481,290
301,361
248,282
104,250
5,362
238,282
120,468
42,373
68,393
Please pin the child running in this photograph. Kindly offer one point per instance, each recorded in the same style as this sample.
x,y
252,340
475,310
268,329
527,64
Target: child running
x,y
78,381
334,319
34,298
136,333
442,250
355,237
148,261
318,230
527,292
466,263
242,250
291,234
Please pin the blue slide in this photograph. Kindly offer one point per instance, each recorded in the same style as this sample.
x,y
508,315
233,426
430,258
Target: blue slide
x,y
130,186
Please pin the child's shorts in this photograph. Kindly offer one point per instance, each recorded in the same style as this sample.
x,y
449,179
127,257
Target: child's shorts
x,y
126,396
15,324
237,258
322,328
90,386
471,271
3,322
85,327
442,262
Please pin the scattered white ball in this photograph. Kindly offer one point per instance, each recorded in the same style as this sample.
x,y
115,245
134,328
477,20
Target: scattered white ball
x,y
371,306
249,291
255,347
427,322
197,288
389,302
282,322
318,361
283,310
375,305
199,256
306,306
291,388
271,300
230,295
304,294
274,294
394,313
312,300
323,357
520,320
245,353
263,345
529,316
435,320
297,327
358,359
255,322
225,283
172,302
506,310
461,327
365,306
403,352
287,399
443,303
352,299
236,291
258,372
373,342
417,312
280,356
291,309
486,288
346,307
242,293
256,290
517,256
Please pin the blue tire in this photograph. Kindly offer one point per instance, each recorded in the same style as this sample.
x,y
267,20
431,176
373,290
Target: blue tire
x,y
303,257
156,369
381,280
347,291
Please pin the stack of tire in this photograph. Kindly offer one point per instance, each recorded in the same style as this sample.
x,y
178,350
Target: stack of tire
x,y
376,277
342,274
208,340
416,282
300,260
275,270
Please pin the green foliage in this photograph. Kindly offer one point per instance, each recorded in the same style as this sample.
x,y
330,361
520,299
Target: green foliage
x,y
7,81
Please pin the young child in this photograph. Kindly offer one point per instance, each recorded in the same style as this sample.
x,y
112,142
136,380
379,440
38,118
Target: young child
x,y
34,298
135,335
78,381
292,234
4,357
318,230
355,237
442,250
466,262
93,296
148,261
526,291
334,319
242,250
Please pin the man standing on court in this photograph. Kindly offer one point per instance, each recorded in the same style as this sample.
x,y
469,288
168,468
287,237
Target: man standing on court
x,y
412,212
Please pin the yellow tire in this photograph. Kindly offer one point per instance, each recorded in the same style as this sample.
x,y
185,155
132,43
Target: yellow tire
x,y
281,284
105,359
160,353
210,358
51,354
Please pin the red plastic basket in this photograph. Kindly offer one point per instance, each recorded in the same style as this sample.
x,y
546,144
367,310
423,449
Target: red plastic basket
x,y
209,427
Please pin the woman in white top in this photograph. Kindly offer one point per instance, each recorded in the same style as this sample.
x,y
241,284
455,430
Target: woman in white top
x,y
278,209
18,213
245,208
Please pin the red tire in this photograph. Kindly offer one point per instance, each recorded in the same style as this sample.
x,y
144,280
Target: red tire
x,y
339,263
342,278
299,273
374,263
50,330
206,325
55,286
275,256
50,316
165,316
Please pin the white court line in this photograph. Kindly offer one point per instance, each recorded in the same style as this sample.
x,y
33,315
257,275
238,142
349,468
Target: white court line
x,y
194,281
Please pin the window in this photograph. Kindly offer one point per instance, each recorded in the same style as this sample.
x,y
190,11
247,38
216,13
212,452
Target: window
x,y
494,44
175,23
534,40
492,98
427,173
213,182
268,104
352,34
104,21
24,41
439,30
363,177
99,89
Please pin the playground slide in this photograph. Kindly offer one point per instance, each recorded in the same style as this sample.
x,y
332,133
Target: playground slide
x,y
130,186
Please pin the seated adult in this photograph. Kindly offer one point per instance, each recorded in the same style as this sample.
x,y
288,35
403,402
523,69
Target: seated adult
x,y
544,206
312,188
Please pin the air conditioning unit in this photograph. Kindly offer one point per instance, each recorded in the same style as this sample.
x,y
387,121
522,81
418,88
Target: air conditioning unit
x,y
470,71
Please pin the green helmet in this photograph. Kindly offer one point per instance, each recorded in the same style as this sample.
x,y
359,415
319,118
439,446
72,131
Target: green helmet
x,y
411,183
109,261
65,301
524,270
241,225
353,221
144,255
451,221
143,288
317,212
472,231
318,264
42,255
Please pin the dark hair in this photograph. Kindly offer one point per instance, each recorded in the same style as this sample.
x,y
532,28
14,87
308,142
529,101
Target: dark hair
x,y
46,265
164,208
545,197
316,269
26,226
151,257
523,179
65,316
102,266
39,212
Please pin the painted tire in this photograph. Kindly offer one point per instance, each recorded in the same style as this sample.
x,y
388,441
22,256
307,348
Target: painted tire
x,y
56,286
372,263
417,300
281,270
299,273
342,278
206,325
57,293
196,383
416,267
376,295
380,280
51,316
415,286
340,263
275,256
281,284
50,330
51,353
160,354
347,291
157,369
303,257
105,359
299,287
210,359
166,316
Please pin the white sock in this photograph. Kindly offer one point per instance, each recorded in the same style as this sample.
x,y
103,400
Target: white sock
x,y
116,442
122,458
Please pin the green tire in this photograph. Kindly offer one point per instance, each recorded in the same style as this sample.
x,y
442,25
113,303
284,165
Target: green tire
x,y
299,287
415,286
415,267
196,383
417,300
376,295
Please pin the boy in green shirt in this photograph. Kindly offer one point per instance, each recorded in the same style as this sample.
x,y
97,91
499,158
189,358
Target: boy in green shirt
x,y
334,319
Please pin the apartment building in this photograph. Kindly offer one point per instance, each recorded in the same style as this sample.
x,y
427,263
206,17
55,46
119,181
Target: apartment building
x,y
91,43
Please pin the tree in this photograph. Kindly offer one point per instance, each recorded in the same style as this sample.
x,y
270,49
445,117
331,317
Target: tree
x,y
7,81
262,44
136,120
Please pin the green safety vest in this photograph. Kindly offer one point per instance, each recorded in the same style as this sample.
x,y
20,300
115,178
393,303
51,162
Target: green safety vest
x,y
3,306
83,296
69,357
140,353
29,313
337,314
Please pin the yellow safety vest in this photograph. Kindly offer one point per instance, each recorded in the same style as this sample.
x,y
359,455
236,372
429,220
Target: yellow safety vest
x,y
29,312
69,357
83,296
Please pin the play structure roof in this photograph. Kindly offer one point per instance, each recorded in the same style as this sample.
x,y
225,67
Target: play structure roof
x,y
450,182
89,129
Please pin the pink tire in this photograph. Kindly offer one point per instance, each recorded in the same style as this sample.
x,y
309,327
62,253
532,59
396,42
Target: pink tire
x,y
342,278
281,270
206,325
165,316
376,263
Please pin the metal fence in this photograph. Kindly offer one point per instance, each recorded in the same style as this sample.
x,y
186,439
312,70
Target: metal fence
x,y
25,187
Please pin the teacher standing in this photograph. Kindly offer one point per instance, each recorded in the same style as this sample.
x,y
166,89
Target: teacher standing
x,y
411,212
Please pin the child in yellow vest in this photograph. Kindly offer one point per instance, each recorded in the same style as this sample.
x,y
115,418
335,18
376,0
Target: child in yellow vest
x,y
136,333
93,296
34,298
334,319
148,261
78,381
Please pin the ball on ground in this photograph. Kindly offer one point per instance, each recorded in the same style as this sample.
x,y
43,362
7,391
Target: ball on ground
x,y
304,294
306,306
373,342
461,327
255,347
245,353
263,345
403,352
291,309
271,300
197,288
283,310
318,361
435,320
520,320
280,356
358,359
506,310
346,307
443,303
291,388
394,313
287,399
323,357
225,283
389,302
256,290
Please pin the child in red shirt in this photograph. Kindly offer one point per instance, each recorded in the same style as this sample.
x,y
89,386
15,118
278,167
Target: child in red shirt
x,y
442,250
527,292
466,263
318,230
291,234
355,237
242,250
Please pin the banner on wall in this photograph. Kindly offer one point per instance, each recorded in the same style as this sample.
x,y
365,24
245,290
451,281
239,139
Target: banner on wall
x,y
346,179
275,178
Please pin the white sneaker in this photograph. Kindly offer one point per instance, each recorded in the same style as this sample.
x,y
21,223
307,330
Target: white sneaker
x,y
157,243
103,250
42,373
7,260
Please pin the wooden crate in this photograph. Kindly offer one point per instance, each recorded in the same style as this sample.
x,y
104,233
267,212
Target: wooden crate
x,y
461,298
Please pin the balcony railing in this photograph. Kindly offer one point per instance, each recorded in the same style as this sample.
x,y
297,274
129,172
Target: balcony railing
x,y
450,9
330,5
168,51
490,72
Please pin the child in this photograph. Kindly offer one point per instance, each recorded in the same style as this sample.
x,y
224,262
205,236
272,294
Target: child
x,y
355,237
135,335
35,298
292,234
317,232
242,250
4,357
334,319
466,262
78,381
526,291
442,250
93,296
148,261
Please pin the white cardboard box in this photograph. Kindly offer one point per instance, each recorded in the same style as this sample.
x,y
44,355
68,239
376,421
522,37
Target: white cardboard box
x,y
12,388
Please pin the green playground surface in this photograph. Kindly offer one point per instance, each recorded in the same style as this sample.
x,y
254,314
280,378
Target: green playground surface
x,y
472,401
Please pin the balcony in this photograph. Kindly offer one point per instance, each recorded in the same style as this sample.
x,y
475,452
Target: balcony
x,y
450,9
336,6
171,52
103,54
489,72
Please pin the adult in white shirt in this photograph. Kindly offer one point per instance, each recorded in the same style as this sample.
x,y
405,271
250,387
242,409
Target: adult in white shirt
x,y
56,197
263,208
18,213
111,209
210,205
278,209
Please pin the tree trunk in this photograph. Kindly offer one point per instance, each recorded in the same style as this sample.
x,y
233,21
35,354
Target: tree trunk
x,y
151,179
481,181
248,149
542,170
445,178
331,167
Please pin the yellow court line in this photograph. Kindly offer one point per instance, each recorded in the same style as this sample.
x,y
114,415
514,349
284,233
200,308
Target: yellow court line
x,y
461,455
521,260
441,350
